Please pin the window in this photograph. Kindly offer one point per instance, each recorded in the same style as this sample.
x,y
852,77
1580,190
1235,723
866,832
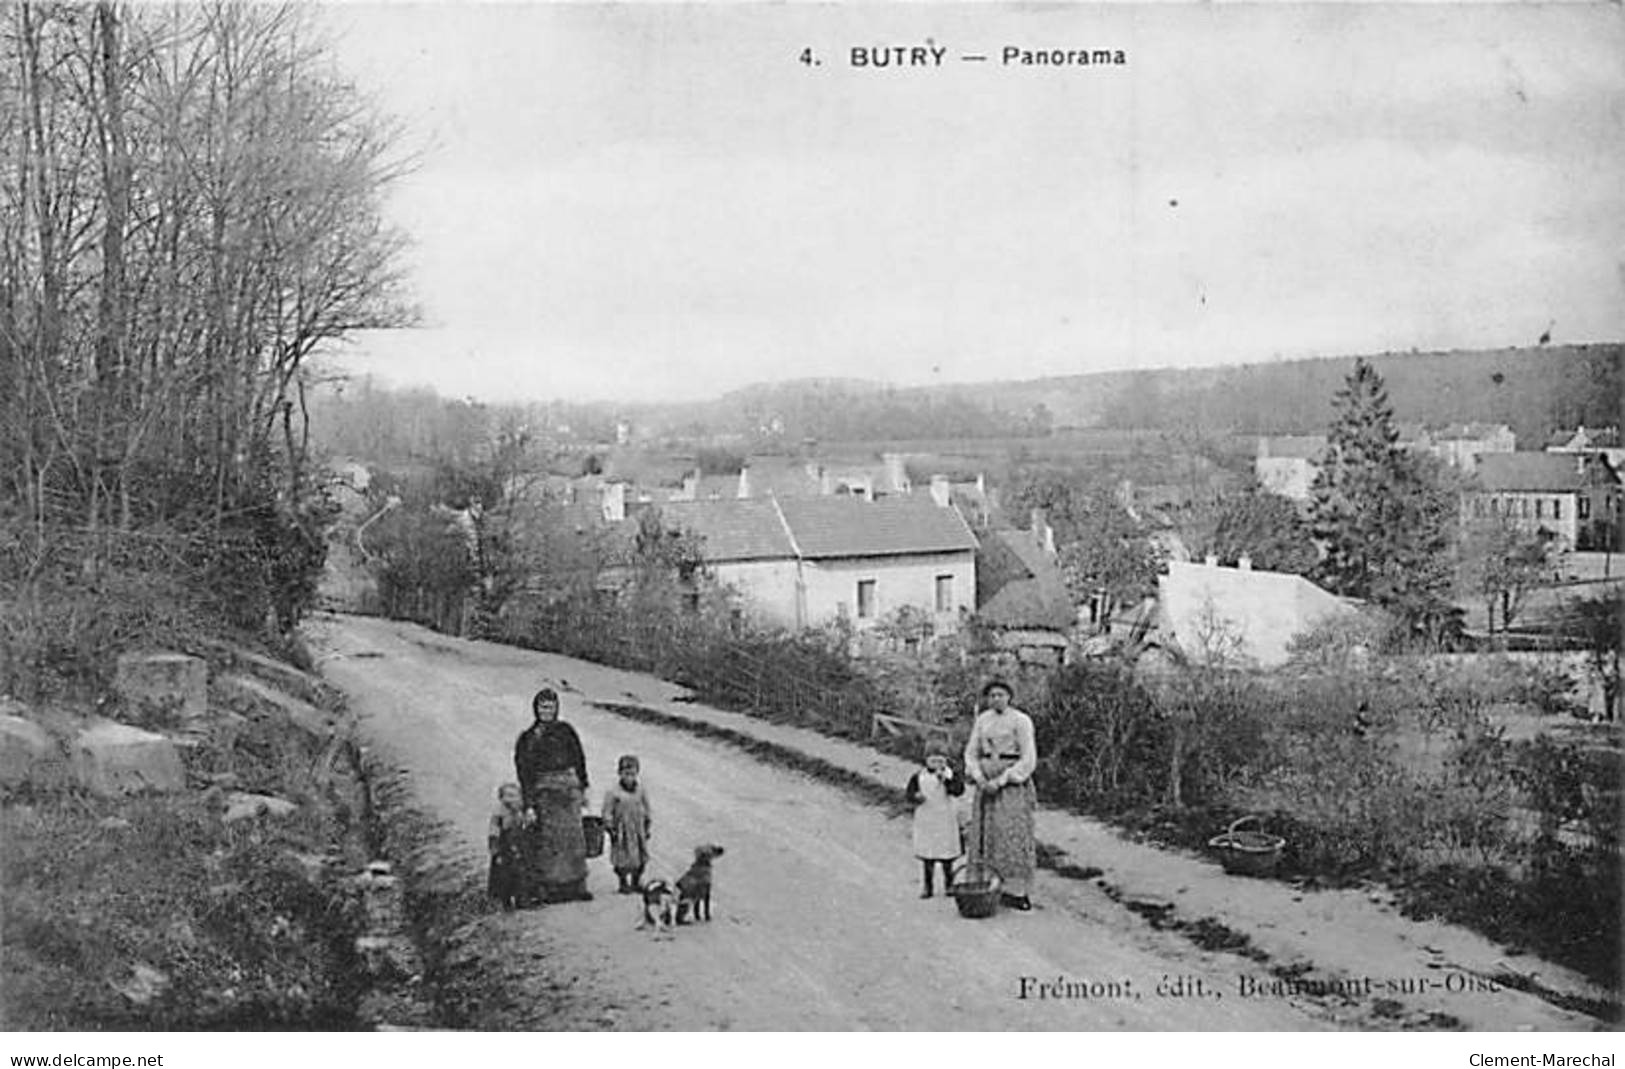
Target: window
x,y
945,593
866,599
1557,508
1540,509
1584,510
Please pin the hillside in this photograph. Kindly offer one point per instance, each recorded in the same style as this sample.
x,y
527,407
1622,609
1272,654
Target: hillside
x,y
1531,390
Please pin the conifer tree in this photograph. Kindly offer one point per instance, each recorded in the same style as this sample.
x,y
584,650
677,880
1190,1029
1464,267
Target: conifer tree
x,y
1384,515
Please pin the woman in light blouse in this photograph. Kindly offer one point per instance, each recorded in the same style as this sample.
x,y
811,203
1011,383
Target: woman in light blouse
x,y
1000,759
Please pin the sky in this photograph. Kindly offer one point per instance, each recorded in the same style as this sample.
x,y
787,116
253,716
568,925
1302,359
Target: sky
x,y
662,202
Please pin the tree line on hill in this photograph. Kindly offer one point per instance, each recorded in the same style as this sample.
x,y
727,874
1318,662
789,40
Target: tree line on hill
x,y
1534,391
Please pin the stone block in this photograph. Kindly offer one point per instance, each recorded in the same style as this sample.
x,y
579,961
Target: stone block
x,y
163,687
115,759
258,700
28,756
242,806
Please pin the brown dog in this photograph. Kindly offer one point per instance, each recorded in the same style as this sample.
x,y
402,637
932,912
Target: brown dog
x,y
694,886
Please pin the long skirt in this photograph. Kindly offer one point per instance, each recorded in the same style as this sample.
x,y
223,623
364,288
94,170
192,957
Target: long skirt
x,y
1001,835
558,852
509,865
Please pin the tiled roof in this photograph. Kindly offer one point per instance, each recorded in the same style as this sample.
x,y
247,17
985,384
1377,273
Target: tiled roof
x,y
1019,586
1297,446
713,487
825,527
1592,437
1210,608
733,529
1548,472
780,477
1469,431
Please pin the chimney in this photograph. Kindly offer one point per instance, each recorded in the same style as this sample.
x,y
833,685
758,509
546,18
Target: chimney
x,y
691,485
1043,533
612,499
1244,563
1211,560
939,490
744,481
896,473
981,483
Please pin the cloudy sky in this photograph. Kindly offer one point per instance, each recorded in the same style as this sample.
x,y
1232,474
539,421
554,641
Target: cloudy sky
x,y
660,201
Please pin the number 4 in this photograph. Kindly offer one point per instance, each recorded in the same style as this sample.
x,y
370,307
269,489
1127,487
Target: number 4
x,y
807,57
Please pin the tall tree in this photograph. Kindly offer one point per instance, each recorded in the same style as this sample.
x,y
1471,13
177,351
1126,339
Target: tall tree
x,y
1252,523
190,208
1385,516
1102,544
1599,622
1501,562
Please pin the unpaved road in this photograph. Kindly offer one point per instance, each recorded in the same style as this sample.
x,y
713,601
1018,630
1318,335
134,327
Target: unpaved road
x,y
817,921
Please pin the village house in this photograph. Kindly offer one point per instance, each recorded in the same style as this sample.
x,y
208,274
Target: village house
x,y
1287,465
1573,496
1604,440
807,562
1240,616
975,500
1461,444
1022,600
788,478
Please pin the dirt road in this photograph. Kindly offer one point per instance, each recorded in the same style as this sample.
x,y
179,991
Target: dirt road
x,y
817,921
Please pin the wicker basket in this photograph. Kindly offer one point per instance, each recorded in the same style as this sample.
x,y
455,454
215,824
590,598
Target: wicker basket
x,y
1248,852
976,891
592,834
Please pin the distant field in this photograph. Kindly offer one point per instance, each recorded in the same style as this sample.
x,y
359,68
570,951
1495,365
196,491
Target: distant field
x,y
995,456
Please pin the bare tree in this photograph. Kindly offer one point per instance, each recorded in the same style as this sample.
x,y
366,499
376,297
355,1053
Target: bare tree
x,y
190,209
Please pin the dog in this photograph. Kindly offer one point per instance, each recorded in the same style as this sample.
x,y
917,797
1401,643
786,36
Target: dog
x,y
659,905
694,886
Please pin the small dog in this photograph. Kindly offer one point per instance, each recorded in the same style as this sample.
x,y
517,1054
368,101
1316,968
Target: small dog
x,y
694,886
659,905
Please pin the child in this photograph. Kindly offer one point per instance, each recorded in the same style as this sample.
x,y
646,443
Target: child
x,y
506,841
931,791
627,822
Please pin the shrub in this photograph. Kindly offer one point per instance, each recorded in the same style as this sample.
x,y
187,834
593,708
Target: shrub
x,y
1100,742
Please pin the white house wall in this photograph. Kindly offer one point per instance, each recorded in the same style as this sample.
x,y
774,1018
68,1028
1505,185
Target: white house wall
x,y
832,586
768,588
1291,477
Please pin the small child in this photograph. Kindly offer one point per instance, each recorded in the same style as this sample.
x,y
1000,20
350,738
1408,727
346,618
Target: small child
x,y
931,792
627,822
506,841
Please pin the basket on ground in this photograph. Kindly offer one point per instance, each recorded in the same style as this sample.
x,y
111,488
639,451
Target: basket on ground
x,y
976,890
592,834
1249,852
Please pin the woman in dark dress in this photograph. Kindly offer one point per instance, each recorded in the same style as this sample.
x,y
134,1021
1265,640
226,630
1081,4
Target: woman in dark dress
x,y
552,773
